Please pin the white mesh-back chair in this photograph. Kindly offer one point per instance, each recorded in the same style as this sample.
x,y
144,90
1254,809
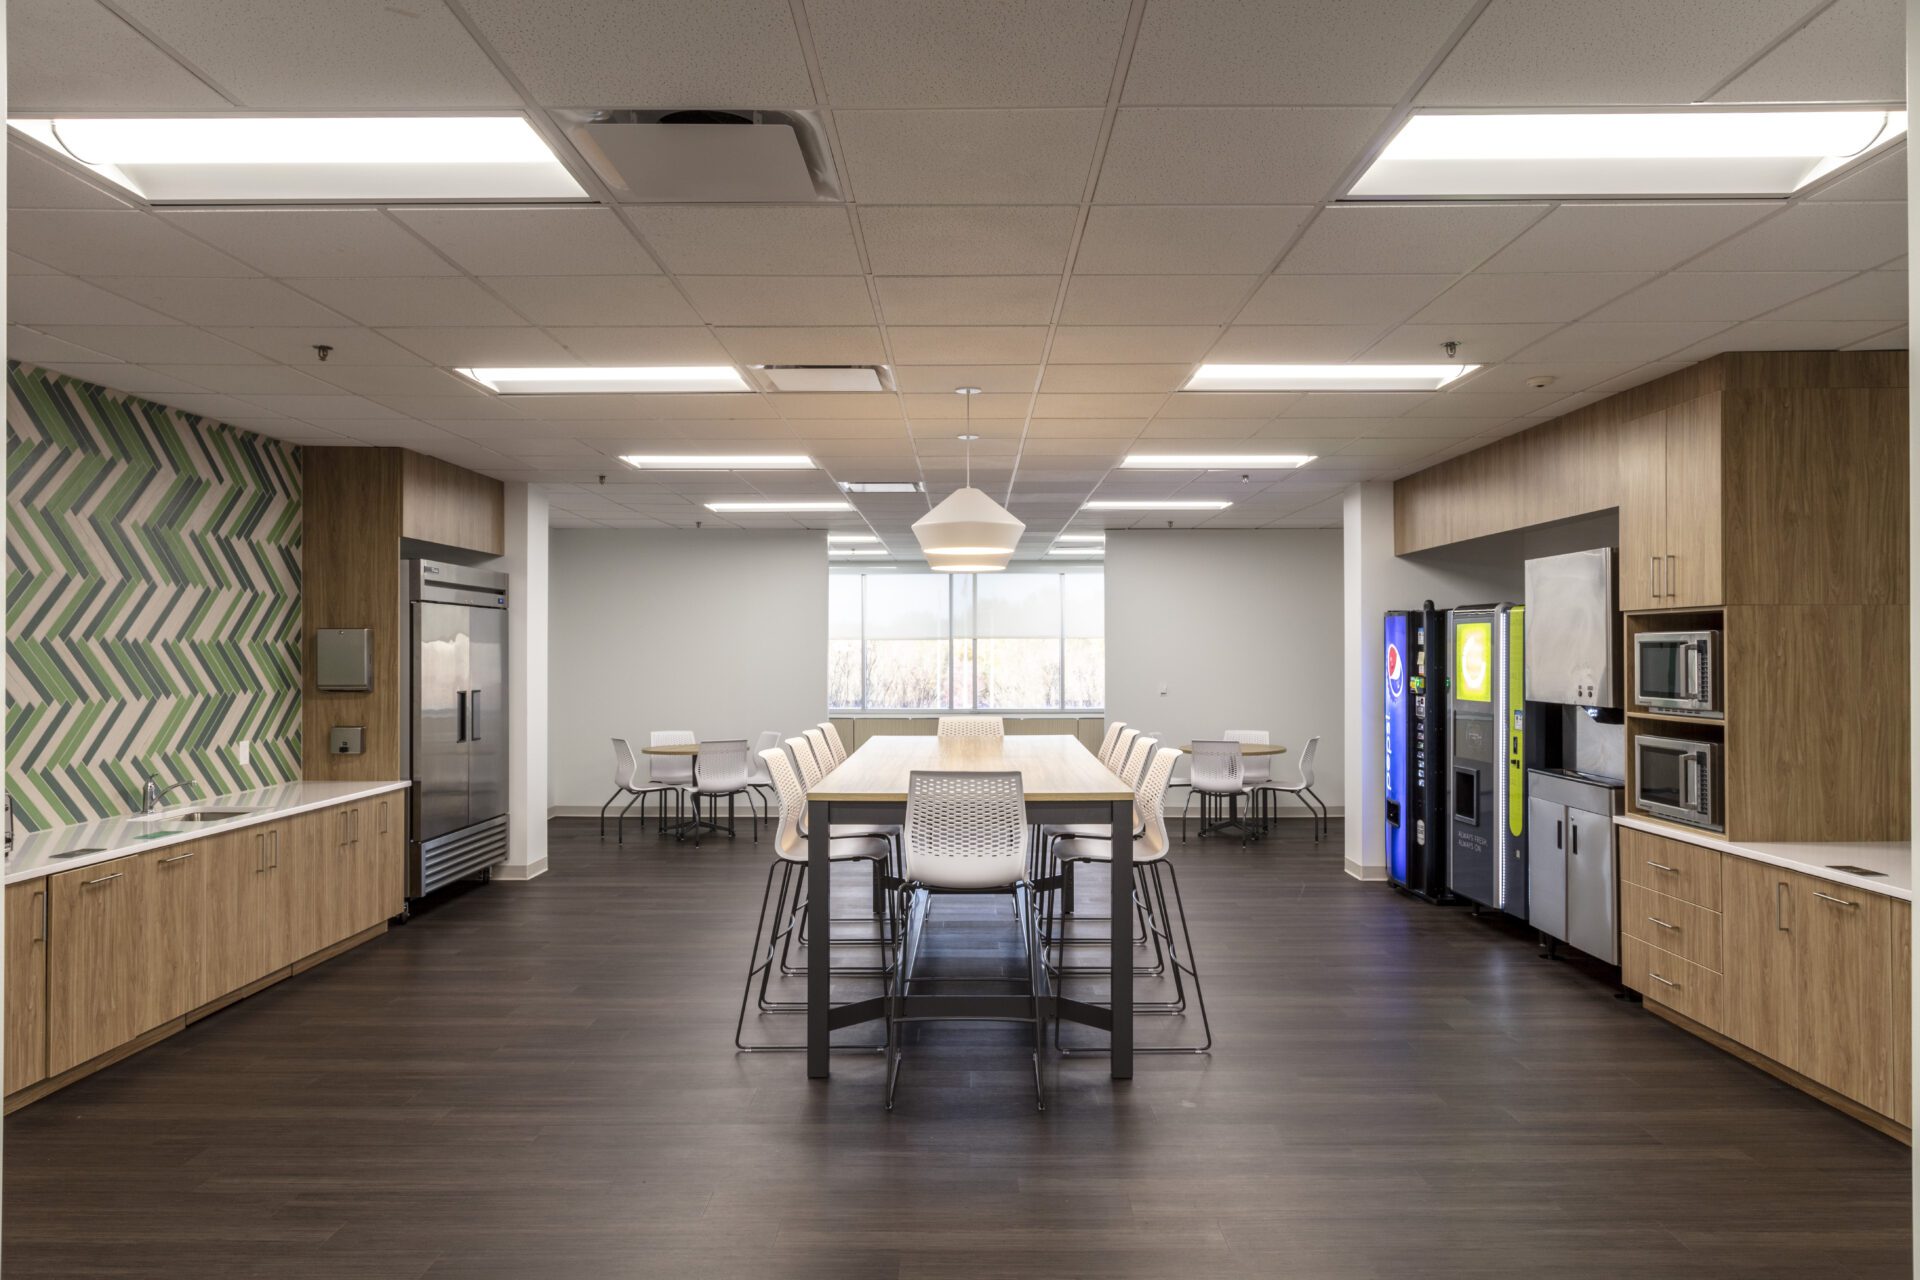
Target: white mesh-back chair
x,y
627,782
972,728
965,833
1216,776
1255,771
1134,772
757,776
720,773
1303,789
790,865
671,773
1122,747
1153,875
1135,767
835,748
810,775
1105,754
822,754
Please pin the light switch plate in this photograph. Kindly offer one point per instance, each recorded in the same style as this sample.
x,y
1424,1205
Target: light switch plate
x,y
243,751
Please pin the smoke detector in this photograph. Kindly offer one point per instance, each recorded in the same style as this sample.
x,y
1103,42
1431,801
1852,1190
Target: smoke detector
x,y
706,155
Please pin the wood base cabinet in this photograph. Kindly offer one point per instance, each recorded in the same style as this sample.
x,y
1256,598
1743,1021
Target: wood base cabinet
x,y
26,1050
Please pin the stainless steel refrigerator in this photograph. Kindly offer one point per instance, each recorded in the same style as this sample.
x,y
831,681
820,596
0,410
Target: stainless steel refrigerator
x,y
456,746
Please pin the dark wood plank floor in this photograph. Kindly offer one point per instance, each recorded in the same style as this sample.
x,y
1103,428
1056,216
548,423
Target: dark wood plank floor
x,y
537,1080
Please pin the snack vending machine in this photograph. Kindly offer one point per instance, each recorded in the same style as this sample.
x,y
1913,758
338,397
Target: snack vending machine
x,y
1490,747
1416,699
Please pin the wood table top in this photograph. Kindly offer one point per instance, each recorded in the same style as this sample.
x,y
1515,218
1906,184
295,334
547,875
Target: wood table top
x,y
1051,768
674,749
1249,749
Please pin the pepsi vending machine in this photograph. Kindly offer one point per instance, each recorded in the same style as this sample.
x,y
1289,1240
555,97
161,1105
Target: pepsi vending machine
x,y
1415,698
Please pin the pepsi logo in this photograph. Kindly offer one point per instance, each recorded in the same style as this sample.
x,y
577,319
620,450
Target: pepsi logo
x,y
1396,672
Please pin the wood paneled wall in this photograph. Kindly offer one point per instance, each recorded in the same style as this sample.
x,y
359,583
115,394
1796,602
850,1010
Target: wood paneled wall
x,y
451,506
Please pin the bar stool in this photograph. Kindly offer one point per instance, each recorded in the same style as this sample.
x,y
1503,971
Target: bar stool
x,y
1105,754
835,748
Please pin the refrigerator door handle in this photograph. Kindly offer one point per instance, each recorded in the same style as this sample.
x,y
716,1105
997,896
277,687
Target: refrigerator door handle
x,y
473,715
460,733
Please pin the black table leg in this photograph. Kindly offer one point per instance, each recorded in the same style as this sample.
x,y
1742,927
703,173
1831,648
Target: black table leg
x,y
819,939
1120,920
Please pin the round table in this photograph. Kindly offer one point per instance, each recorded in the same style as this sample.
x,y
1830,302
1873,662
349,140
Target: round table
x,y
1233,804
696,823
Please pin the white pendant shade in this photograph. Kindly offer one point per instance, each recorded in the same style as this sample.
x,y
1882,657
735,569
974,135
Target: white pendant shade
x,y
968,526
975,562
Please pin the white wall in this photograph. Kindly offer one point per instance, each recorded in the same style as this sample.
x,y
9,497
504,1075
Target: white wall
x,y
720,632
1243,629
528,615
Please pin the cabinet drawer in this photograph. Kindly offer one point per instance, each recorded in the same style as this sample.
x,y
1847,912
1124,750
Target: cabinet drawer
x,y
1665,978
1671,924
1673,867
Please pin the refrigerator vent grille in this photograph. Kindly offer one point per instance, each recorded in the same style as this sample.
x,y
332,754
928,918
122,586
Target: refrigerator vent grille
x,y
461,853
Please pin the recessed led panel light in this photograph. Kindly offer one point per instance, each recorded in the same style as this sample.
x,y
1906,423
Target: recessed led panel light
x,y
851,537
774,508
1151,504
717,462
1216,461
268,159
585,380
817,377
1325,377
880,486
1654,154
1082,537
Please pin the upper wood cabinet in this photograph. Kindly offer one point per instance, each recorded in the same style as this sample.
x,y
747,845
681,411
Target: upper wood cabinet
x,y
26,983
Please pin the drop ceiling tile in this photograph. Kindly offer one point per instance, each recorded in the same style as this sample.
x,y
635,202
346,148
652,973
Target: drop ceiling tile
x,y
1291,343
1872,295
1482,404
966,53
967,240
220,408
811,406
350,345
382,381
1154,299
968,157
20,265
1224,429
1341,299
1726,296
1652,236
1405,450
131,379
397,301
460,348
36,182
1815,236
1091,404
968,299
1114,377
1479,344
966,344
245,379
928,406
312,242
627,345
780,300
1882,179
824,345
991,378
1352,404
1567,377
1231,155
1191,239
546,241
206,300
718,52
1227,404
1530,296
79,56
1599,341
743,240
823,429
1523,53
359,55
323,408
59,299
1854,51
114,243
1123,344
155,343
1785,335
1407,238
595,300
1227,51
1891,340
37,348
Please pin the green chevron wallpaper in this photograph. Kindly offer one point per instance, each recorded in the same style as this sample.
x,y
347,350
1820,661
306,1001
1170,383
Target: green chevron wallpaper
x,y
153,601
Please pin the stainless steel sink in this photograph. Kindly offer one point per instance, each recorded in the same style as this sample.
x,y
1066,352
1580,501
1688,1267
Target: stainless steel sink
x,y
75,853
212,815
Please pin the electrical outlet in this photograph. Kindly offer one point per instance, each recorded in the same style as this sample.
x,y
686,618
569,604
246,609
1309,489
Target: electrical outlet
x,y
244,751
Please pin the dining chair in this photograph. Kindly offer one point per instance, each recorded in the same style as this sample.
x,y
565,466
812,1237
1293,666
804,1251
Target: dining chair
x,y
965,833
671,773
1255,771
789,865
721,772
835,748
972,728
626,781
822,754
1135,766
1133,773
1216,773
1105,754
757,776
1122,747
1153,874
1302,789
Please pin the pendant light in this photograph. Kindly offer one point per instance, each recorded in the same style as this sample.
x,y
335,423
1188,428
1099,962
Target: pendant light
x,y
968,532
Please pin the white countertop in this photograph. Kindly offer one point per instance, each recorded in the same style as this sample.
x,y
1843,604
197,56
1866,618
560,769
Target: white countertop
x,y
1892,859
38,853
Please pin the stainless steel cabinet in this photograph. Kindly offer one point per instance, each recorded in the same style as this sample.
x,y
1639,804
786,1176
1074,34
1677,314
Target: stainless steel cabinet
x,y
1571,894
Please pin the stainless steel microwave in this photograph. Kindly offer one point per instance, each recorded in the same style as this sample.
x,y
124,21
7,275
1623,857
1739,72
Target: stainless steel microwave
x,y
1678,779
1677,672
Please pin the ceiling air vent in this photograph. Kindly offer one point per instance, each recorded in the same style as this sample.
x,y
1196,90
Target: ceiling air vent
x,y
706,156
825,377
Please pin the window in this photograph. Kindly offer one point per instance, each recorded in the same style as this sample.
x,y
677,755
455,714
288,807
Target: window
x,y
963,642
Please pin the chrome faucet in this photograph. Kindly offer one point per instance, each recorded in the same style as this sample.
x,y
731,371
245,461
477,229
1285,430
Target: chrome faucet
x,y
150,798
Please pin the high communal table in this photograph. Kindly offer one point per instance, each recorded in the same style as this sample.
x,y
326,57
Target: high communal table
x,y
1063,783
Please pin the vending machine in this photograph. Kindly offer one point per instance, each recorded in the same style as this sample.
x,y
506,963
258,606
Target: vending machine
x,y
1492,739
1415,699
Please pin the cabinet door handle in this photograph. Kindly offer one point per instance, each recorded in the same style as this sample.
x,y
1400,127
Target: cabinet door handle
x,y
1673,577
1653,577
1661,866
1573,840
1558,842
383,817
1780,906
40,916
1657,978
1663,924
260,853
102,879
178,857
1830,898
273,843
